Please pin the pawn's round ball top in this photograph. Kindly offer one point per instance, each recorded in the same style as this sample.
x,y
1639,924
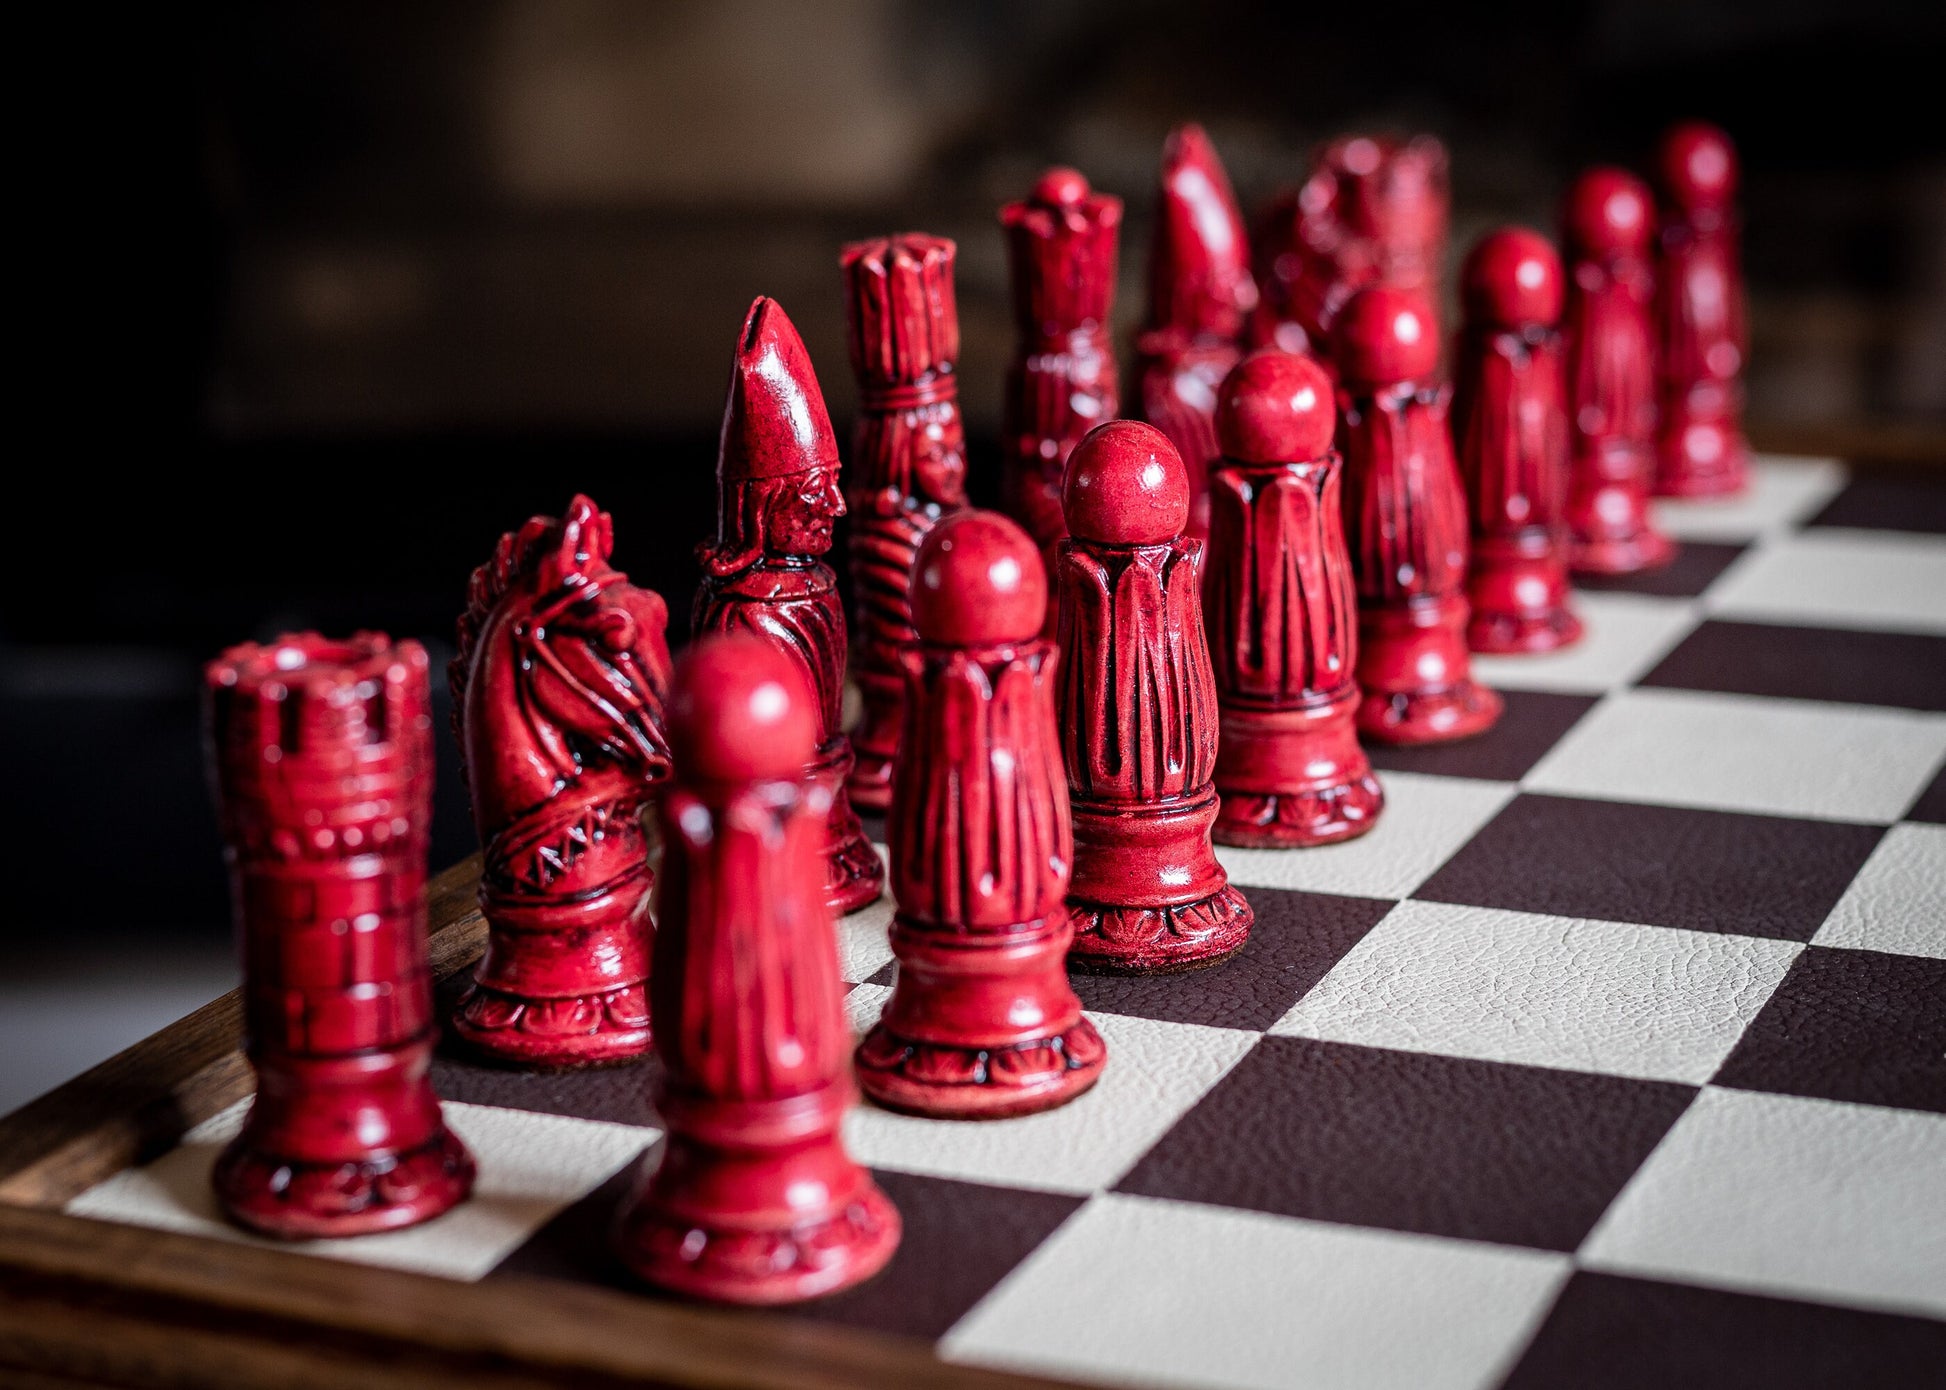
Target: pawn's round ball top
x,y
1062,187
978,580
1126,485
1698,166
1610,212
1276,407
1386,335
1512,279
738,710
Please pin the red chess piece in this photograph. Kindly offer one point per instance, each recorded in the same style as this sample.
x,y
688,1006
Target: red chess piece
x,y
322,757
1405,517
982,1021
1200,296
1373,212
1138,715
1282,613
1510,431
557,701
1699,305
777,505
1061,245
1607,228
908,468
754,1199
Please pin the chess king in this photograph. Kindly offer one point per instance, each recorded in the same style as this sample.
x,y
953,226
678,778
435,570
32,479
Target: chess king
x,y
777,504
557,697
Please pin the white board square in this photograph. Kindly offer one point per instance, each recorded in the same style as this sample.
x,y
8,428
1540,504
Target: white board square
x,y
1877,580
1897,903
1783,491
1624,636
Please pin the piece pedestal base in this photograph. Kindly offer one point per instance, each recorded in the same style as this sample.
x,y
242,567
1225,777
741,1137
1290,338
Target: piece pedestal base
x,y
1147,896
854,875
1702,458
1416,677
1609,531
1518,593
1291,778
980,1025
1645,550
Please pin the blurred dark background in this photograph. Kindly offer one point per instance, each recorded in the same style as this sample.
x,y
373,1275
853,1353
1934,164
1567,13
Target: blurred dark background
x,y
324,297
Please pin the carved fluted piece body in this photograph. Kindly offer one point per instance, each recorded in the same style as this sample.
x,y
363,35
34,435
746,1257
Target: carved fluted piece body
x,y
908,468
754,1198
982,1021
1510,433
557,701
1138,715
1282,615
1608,332
1406,526
778,503
1701,451
321,753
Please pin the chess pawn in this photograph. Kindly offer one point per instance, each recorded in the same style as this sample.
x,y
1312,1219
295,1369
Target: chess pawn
x,y
322,758
557,702
1283,616
754,1198
1610,342
908,468
1510,432
1699,305
1138,715
777,506
1405,519
1200,296
1061,246
982,1021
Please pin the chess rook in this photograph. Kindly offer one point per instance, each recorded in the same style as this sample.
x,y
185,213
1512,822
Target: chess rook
x,y
1609,337
908,468
754,1199
1405,519
1200,297
557,701
1282,615
322,758
778,505
1138,715
982,1021
1061,247
1510,435
1699,307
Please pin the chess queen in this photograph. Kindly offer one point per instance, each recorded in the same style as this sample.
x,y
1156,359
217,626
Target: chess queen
x,y
557,699
1510,432
1610,341
777,504
1282,615
322,757
1138,715
754,1198
982,1021
1405,521
908,468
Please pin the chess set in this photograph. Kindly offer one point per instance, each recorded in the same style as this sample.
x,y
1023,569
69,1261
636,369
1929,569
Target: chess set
x,y
1415,859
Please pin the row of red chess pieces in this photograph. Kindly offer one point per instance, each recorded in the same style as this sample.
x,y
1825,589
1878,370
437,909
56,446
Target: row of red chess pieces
x,y
1022,839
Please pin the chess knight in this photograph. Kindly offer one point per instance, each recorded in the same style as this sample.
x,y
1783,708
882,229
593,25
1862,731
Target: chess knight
x,y
558,690
777,505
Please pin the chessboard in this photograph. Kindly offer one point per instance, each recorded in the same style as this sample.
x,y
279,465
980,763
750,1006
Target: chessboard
x,y
1614,1056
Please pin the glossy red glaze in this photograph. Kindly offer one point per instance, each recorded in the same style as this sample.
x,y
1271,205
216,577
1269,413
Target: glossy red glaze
x,y
557,702
908,468
1138,715
1201,295
754,1198
1700,446
1510,436
1405,518
1061,249
778,505
1385,336
1282,616
982,1021
1609,226
321,753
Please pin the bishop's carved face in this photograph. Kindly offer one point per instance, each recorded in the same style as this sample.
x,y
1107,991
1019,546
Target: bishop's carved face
x,y
802,518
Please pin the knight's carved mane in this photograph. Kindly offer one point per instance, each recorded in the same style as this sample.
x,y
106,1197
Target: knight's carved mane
x,y
515,557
